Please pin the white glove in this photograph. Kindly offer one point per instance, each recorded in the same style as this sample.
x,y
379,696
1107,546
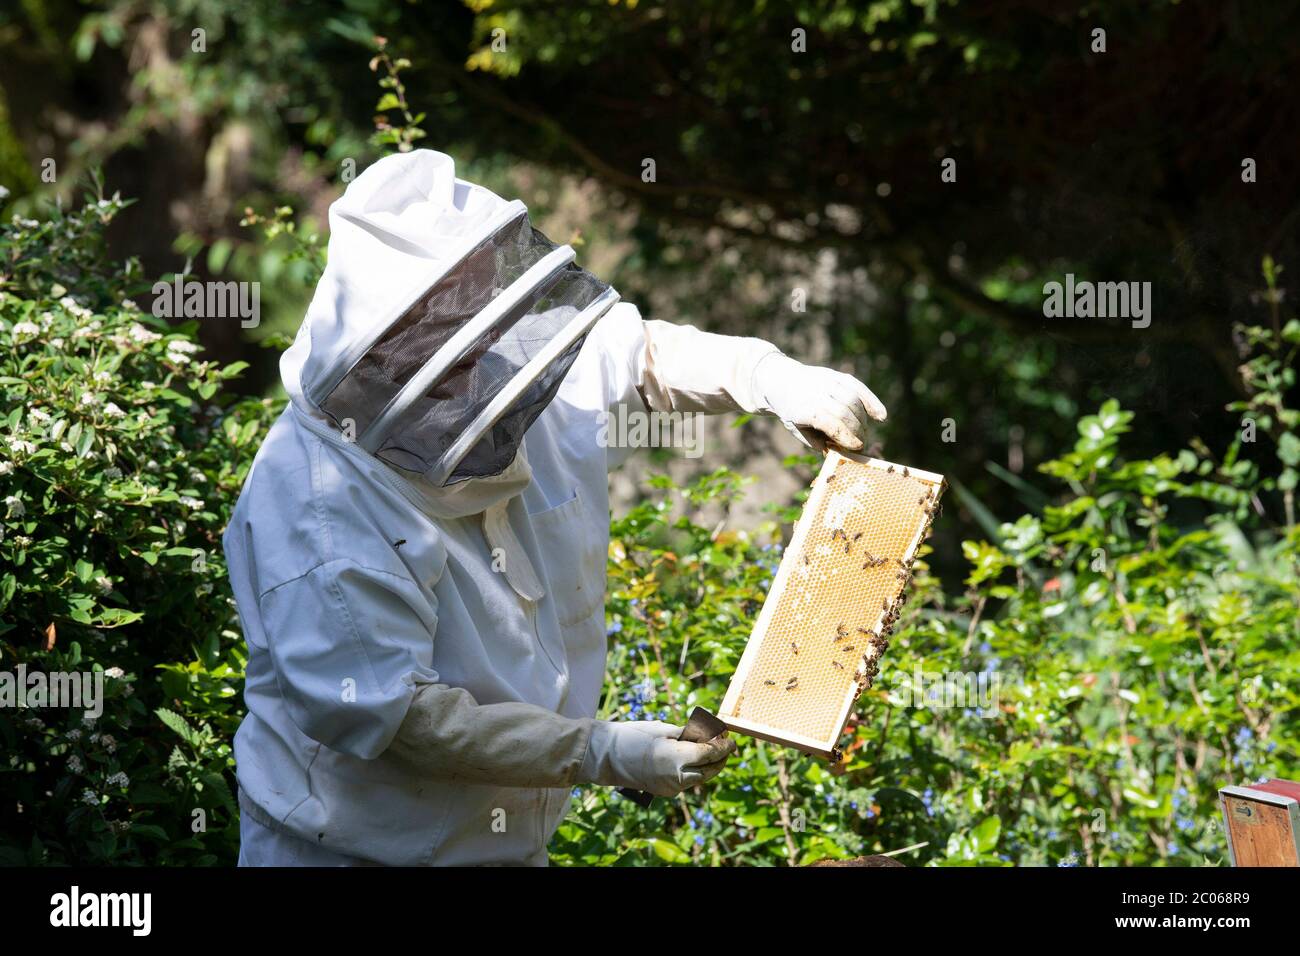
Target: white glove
x,y
646,755
686,370
815,402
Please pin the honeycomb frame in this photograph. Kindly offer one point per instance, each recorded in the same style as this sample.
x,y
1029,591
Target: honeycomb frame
x,y
817,645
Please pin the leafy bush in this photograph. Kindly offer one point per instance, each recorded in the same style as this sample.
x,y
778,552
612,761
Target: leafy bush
x,y
120,463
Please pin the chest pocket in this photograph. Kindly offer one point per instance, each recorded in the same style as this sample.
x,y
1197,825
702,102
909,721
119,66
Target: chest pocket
x,y
570,561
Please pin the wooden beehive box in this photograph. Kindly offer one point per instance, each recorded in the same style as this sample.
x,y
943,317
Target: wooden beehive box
x,y
826,622
1263,823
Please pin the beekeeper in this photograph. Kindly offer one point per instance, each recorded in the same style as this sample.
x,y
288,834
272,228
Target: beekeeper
x,y
418,553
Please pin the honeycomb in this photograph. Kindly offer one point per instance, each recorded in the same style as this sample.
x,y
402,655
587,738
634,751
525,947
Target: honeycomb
x,y
826,622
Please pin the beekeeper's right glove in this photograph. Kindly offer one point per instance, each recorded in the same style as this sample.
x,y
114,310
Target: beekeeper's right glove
x,y
646,755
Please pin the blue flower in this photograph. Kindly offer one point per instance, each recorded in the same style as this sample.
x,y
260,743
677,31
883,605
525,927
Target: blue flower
x,y
699,841
1244,735
614,628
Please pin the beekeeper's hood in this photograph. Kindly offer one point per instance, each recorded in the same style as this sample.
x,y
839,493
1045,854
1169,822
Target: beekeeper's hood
x,y
443,324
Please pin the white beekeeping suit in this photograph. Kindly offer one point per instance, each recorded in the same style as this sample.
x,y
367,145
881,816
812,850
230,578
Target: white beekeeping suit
x,y
418,553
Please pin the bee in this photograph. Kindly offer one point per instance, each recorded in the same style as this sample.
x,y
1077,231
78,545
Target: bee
x,y
805,559
770,683
890,469
830,478
794,647
884,606
906,474
399,542
856,536
847,648
792,683
837,664
847,546
841,631
863,630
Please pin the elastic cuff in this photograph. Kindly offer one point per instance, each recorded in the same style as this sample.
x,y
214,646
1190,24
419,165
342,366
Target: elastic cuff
x,y
757,397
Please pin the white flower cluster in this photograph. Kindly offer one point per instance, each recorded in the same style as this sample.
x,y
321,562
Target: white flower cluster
x,y
75,308
22,331
180,350
88,330
138,333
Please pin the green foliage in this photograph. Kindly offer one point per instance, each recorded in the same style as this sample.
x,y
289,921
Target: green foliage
x,y
120,461
1138,665
402,134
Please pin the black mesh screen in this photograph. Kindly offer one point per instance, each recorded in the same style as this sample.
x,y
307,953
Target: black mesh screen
x,y
436,419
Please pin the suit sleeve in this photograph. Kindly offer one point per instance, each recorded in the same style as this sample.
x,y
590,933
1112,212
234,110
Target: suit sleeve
x,y
350,645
